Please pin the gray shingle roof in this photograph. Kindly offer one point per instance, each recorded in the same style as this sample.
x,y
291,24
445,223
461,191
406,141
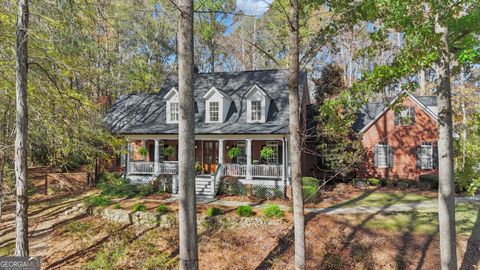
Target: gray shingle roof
x,y
145,113
369,111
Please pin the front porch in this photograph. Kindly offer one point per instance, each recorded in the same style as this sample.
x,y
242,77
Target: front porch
x,y
157,156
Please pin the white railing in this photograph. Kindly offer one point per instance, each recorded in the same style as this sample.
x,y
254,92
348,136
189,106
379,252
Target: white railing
x,y
167,168
219,173
267,171
235,169
264,170
141,167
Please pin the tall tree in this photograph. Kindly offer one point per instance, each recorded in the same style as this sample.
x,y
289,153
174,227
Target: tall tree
x,y
21,124
295,140
186,139
446,187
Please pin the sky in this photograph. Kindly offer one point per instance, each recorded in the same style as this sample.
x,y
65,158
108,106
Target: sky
x,y
253,7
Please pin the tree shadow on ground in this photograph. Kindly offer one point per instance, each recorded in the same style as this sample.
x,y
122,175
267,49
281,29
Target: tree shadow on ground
x,y
472,255
285,242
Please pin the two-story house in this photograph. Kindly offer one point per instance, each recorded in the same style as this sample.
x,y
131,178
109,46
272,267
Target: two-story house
x,y
400,137
246,110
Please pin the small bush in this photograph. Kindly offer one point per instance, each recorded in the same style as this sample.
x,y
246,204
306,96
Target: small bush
x,y
245,211
374,181
97,200
213,211
162,209
139,207
116,206
230,186
272,211
429,178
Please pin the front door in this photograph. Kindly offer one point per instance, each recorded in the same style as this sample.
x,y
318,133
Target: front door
x,y
210,156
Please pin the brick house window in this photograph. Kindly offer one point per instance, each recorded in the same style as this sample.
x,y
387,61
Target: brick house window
x,y
383,156
426,156
405,116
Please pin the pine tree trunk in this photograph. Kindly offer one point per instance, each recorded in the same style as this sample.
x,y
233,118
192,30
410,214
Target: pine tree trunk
x,y
186,140
2,191
446,189
295,159
21,219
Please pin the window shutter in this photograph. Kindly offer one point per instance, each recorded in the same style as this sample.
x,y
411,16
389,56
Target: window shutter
x,y
375,156
418,152
390,156
412,115
396,118
435,156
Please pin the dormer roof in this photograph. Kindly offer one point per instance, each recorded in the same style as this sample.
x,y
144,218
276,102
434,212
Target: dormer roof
x,y
256,88
171,93
216,90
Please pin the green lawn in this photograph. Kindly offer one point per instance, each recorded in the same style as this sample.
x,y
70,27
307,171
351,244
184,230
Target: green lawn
x,y
382,198
467,215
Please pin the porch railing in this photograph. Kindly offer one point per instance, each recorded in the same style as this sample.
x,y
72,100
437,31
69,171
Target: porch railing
x,y
142,167
264,170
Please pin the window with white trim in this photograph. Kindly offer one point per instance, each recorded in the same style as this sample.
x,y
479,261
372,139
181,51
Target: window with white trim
x,y
256,110
405,116
426,156
214,108
173,112
242,155
382,155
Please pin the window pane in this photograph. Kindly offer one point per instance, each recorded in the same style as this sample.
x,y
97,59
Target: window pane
x,y
274,157
214,108
174,111
382,151
256,110
427,156
405,116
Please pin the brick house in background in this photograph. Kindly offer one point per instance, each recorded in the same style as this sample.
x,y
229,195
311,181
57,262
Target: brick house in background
x,y
400,138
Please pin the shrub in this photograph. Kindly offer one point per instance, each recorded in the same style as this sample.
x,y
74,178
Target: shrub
x,y
429,178
116,206
213,211
198,167
162,209
245,211
114,185
272,211
310,189
374,181
139,207
97,200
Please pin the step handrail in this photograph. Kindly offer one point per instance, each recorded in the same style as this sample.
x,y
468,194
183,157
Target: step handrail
x,y
216,179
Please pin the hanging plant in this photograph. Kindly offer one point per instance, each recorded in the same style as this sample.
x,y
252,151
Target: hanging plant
x,y
266,152
169,151
233,152
142,151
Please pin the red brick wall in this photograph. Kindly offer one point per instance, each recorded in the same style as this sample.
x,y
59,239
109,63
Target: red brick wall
x,y
403,139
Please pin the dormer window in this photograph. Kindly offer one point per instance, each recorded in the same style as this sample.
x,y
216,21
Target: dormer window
x,y
174,112
258,104
217,105
171,105
214,111
256,108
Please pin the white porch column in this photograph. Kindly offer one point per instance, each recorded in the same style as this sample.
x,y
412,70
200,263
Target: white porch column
x,y
221,149
284,160
156,164
129,156
249,158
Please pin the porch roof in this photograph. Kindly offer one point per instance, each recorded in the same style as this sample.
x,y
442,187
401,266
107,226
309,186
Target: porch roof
x,y
145,113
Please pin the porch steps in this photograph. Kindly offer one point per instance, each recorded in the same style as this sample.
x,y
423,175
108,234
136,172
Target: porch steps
x,y
203,186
